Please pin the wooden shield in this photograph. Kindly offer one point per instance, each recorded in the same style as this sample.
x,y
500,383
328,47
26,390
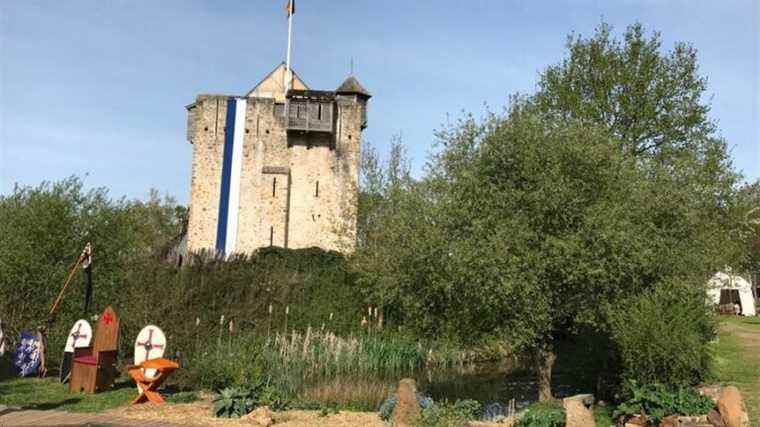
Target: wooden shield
x,y
80,336
150,344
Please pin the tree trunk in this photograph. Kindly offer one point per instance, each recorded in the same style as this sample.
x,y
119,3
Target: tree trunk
x,y
545,362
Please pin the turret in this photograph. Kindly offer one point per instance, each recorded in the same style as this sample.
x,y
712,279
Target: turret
x,y
352,90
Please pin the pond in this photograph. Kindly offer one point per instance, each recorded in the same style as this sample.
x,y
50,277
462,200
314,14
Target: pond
x,y
497,382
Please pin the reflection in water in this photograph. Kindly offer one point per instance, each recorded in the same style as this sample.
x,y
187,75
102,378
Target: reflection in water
x,y
491,382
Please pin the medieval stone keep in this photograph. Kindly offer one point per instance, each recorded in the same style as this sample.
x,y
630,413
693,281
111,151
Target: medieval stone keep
x,y
276,168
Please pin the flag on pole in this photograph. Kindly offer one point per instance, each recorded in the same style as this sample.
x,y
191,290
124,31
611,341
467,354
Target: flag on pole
x,y
291,7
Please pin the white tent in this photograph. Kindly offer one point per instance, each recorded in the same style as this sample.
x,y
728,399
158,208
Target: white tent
x,y
724,281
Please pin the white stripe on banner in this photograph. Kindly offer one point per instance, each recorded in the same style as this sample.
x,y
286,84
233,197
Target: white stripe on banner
x,y
237,168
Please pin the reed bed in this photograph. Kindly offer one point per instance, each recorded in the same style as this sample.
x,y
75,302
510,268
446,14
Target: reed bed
x,y
315,364
349,393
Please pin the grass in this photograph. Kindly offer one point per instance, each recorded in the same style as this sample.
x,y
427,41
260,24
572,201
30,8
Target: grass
x,y
48,393
603,416
736,356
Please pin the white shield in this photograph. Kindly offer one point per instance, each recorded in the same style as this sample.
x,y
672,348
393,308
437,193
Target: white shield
x,y
150,344
79,336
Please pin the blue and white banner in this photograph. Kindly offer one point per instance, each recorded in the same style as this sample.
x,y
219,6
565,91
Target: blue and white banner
x,y
232,164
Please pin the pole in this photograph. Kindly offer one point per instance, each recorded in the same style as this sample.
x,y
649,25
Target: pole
x,y
287,61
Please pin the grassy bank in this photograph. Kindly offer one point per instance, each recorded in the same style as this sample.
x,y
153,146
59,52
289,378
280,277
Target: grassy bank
x,y
737,359
48,393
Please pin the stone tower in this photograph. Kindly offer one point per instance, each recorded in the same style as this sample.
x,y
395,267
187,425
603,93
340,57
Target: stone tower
x,y
276,169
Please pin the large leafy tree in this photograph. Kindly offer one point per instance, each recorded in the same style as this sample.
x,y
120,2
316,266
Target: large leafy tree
x,y
650,100
607,182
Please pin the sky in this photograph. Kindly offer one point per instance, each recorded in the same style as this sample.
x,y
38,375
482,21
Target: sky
x,y
98,88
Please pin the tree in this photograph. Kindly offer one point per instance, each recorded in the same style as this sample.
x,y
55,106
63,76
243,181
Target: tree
x,y
44,228
748,230
652,102
529,227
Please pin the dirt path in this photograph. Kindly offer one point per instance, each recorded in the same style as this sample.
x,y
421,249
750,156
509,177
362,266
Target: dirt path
x,y
199,414
36,418
743,336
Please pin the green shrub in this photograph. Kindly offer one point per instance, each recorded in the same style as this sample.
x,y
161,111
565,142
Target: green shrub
x,y
445,414
543,414
662,335
656,401
233,402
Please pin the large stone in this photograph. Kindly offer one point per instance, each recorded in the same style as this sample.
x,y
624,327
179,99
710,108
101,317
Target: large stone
x,y
636,421
407,409
260,416
715,419
732,409
578,410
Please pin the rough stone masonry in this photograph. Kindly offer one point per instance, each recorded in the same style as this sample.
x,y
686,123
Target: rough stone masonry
x,y
276,168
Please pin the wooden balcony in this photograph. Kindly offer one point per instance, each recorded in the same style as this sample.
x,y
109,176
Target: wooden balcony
x,y
310,111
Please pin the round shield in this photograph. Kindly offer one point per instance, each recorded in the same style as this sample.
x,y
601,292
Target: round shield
x,y
79,336
26,360
150,344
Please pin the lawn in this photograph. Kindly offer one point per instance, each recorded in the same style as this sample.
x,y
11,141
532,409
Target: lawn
x,y
48,393
737,359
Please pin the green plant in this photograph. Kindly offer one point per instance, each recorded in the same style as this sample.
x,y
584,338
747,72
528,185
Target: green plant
x,y
543,414
233,402
656,401
273,397
445,414
662,335
326,410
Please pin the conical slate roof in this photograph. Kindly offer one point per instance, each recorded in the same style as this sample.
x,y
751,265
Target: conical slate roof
x,y
352,86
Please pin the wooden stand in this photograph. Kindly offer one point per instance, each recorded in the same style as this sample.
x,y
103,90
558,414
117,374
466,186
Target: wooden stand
x,y
148,386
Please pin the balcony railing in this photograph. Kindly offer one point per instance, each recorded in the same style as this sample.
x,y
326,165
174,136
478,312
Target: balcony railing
x,y
310,114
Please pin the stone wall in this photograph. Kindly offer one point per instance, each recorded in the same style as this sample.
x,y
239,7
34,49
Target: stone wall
x,y
297,190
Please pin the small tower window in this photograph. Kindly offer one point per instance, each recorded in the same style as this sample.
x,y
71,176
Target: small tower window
x,y
319,111
271,235
274,186
316,190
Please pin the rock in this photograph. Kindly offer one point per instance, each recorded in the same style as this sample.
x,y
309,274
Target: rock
x,y
261,416
714,418
670,421
504,422
407,408
698,421
578,410
636,421
732,409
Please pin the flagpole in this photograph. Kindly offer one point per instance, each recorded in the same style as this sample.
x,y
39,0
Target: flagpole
x,y
290,36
